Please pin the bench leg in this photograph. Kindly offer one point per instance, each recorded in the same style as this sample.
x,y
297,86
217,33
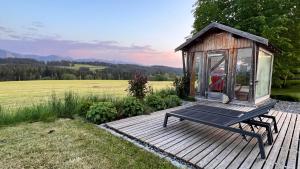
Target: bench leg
x,y
251,134
165,121
274,122
261,147
267,126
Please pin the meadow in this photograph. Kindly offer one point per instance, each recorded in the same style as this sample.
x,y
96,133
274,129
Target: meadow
x,y
15,94
90,67
28,141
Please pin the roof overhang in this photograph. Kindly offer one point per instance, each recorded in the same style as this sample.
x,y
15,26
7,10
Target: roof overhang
x,y
219,26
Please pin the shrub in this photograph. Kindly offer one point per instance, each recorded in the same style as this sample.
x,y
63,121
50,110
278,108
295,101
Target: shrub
x,y
85,107
132,107
166,92
172,101
155,101
181,85
102,112
138,86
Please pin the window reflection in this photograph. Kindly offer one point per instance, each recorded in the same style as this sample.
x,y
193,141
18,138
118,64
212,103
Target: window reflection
x,y
243,74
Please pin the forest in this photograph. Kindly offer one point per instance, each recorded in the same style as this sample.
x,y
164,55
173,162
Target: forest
x,y
17,69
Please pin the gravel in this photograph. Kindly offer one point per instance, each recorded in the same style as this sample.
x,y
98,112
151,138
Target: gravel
x,y
290,107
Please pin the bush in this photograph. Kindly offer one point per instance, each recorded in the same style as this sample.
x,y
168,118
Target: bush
x,y
138,86
102,112
155,101
172,101
166,92
85,107
182,87
132,107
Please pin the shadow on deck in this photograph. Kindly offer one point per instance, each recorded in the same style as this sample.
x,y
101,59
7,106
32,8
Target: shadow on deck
x,y
208,147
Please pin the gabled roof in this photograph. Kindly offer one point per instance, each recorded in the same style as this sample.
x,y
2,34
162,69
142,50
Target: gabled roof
x,y
234,31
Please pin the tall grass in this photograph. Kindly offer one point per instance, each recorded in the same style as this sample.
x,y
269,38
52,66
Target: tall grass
x,y
67,107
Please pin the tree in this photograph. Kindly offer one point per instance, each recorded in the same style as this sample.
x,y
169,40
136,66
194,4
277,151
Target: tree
x,y
276,20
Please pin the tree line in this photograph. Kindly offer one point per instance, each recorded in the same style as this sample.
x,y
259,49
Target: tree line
x,y
16,69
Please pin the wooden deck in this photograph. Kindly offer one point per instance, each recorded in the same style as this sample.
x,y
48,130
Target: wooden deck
x,y
208,147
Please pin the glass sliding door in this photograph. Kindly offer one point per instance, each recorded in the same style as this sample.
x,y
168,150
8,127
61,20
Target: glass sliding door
x,y
243,74
264,72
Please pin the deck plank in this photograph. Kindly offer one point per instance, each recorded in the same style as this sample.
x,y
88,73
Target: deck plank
x,y
292,159
284,150
209,147
176,142
258,163
242,150
188,142
231,152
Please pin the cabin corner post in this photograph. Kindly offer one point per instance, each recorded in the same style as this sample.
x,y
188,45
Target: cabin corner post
x,y
183,63
192,75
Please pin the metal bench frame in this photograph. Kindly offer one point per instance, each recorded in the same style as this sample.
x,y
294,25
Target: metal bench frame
x,y
248,118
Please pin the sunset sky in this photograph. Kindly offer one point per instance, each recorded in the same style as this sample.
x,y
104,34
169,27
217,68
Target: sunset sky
x,y
138,31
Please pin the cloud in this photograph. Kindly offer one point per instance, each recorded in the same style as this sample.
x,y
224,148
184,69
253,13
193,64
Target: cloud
x,y
107,50
33,41
38,24
5,30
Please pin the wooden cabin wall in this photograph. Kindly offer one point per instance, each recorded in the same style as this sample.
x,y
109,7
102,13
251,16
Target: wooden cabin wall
x,y
217,41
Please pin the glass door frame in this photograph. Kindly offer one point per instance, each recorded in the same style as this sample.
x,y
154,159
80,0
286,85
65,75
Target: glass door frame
x,y
207,68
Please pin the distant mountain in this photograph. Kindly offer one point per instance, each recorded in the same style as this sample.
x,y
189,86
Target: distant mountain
x,y
8,54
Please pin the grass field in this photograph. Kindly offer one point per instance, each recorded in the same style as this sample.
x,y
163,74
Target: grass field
x,y
293,89
71,144
77,66
19,93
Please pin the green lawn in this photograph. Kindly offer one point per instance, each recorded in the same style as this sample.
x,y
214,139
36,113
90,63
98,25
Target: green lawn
x,y
72,144
19,93
77,66
293,89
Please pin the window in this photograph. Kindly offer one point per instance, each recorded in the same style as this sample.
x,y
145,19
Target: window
x,y
263,74
243,74
199,59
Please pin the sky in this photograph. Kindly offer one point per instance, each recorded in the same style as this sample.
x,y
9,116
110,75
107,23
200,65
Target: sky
x,y
138,31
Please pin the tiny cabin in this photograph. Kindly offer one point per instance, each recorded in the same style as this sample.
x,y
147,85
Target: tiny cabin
x,y
223,62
